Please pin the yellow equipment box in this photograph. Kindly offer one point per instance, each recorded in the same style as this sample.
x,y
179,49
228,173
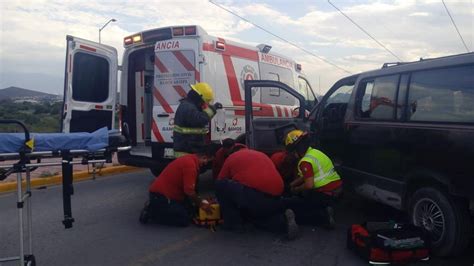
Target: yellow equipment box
x,y
215,215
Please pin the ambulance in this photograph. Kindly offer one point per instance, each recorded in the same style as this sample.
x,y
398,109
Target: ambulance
x,y
157,67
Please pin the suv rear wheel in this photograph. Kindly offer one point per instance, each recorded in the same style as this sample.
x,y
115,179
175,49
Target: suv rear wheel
x,y
446,219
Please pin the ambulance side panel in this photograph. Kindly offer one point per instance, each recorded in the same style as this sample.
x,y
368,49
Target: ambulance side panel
x,y
226,70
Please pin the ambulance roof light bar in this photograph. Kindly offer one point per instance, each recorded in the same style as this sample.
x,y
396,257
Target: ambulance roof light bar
x,y
137,38
264,48
187,30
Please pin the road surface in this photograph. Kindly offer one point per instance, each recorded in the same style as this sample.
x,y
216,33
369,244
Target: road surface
x,y
107,232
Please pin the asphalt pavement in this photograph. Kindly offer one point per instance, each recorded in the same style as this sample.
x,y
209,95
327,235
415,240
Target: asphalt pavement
x,y
107,232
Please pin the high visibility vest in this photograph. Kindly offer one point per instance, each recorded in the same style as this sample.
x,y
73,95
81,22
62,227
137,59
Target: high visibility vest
x,y
323,168
191,130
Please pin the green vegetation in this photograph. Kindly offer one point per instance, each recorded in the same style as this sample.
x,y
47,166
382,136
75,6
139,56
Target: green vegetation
x,y
38,117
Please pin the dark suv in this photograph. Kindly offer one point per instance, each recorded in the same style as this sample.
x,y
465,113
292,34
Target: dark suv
x,y
402,135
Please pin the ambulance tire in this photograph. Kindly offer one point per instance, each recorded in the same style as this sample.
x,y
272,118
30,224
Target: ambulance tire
x,y
453,214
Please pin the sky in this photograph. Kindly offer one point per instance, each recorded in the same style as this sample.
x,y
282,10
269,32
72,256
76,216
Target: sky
x,y
33,32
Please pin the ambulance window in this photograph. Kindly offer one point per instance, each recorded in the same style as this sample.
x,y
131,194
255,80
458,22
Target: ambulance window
x,y
90,82
274,91
305,89
275,95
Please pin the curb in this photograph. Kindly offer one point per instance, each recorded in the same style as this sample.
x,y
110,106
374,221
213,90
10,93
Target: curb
x,y
57,179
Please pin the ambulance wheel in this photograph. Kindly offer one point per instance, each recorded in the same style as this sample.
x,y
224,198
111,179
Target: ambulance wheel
x,y
446,219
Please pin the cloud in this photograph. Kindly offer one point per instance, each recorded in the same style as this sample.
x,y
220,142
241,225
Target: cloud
x,y
32,36
33,33
419,14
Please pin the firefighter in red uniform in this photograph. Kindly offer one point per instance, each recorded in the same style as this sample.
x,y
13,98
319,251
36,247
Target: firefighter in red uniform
x,y
317,185
249,188
173,198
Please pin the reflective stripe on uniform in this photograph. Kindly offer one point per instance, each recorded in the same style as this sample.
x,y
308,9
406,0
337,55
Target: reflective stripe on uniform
x,y
191,130
321,177
209,112
178,154
321,172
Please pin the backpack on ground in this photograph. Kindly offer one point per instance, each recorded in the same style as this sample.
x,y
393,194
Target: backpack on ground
x,y
388,242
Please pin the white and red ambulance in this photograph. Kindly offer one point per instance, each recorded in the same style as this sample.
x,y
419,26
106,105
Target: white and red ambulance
x,y
158,66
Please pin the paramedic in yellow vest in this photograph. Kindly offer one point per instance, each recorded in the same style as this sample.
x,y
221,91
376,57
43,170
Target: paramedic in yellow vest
x,y
316,185
192,119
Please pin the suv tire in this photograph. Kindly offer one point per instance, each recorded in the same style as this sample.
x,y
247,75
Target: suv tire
x,y
446,219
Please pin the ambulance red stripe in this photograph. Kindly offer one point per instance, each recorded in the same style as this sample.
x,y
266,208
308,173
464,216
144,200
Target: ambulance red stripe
x,y
160,65
141,78
162,100
232,80
241,52
87,48
143,131
141,104
156,131
235,51
265,109
180,90
232,50
287,114
279,114
185,62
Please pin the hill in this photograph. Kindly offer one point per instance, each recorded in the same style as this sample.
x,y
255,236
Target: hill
x,y
16,93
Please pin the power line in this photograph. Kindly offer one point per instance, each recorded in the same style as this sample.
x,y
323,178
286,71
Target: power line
x,y
362,29
456,27
281,38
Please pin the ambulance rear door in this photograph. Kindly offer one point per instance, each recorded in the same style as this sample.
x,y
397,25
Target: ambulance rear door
x,y
176,62
90,86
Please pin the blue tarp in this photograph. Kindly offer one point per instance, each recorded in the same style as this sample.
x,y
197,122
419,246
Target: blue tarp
x,y
99,139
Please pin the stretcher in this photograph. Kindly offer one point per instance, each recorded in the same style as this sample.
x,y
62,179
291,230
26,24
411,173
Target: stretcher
x,y
69,149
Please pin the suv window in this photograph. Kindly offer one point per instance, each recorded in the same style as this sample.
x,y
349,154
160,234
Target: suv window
x,y
442,95
336,105
341,95
90,80
378,98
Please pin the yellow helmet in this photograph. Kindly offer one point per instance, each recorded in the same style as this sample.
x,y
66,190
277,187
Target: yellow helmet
x,y
204,90
294,136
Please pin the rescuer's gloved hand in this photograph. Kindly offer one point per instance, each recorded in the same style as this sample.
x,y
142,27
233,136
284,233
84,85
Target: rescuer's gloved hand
x,y
218,106
209,110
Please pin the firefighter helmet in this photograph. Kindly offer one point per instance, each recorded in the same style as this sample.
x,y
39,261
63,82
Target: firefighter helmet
x,y
294,137
204,90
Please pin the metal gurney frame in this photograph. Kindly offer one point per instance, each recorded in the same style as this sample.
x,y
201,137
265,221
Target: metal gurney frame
x,y
26,164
